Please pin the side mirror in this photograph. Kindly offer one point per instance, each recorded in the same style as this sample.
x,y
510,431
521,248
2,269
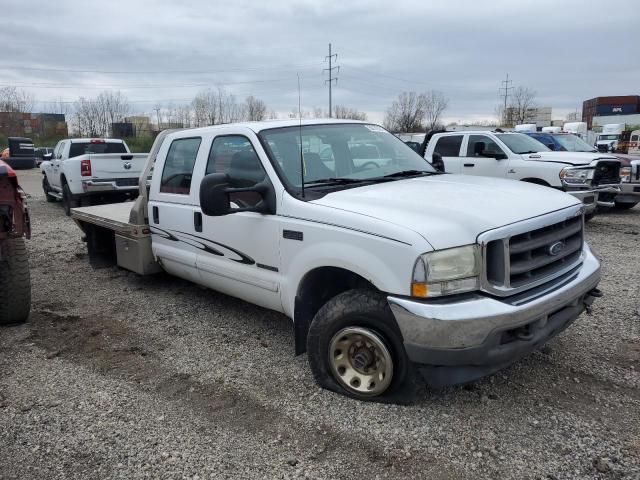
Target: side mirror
x,y
437,162
214,196
47,157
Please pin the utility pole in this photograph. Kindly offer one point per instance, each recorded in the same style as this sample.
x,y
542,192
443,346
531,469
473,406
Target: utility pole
x,y
331,78
504,91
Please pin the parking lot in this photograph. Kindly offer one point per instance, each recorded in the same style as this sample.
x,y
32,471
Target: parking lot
x,y
117,375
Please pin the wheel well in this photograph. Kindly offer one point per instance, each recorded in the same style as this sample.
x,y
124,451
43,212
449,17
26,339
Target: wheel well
x,y
316,288
537,181
63,180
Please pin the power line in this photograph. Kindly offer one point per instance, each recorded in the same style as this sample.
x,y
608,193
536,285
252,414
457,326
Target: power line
x,y
291,67
331,78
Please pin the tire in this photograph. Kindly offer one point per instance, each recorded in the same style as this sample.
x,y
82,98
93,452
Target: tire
x,y
362,322
15,282
68,202
47,188
625,206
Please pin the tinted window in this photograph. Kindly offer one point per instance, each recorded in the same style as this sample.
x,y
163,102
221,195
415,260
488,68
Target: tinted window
x,y
80,148
178,167
482,146
449,146
235,156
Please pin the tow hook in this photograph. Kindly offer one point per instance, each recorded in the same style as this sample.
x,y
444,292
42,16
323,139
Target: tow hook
x,y
590,297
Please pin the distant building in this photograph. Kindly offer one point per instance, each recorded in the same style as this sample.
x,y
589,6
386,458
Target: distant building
x,y
541,116
33,124
619,106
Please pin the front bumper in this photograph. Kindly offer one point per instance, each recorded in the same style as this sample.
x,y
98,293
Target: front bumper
x,y
629,193
595,196
460,340
102,186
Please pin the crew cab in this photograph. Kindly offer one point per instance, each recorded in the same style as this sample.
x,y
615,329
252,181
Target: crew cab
x,y
82,171
593,178
15,226
629,195
383,269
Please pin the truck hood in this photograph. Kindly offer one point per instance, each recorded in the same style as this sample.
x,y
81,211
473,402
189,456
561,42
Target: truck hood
x,y
449,210
572,158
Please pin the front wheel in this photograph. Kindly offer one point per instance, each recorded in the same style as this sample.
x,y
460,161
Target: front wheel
x,y
355,348
47,188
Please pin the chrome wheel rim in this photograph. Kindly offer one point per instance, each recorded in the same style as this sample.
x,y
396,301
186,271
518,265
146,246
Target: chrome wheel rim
x,y
360,361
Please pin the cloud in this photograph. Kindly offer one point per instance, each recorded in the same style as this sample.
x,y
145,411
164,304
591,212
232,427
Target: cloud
x,y
565,51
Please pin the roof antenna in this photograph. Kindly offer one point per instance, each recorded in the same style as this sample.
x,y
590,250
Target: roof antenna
x,y
300,137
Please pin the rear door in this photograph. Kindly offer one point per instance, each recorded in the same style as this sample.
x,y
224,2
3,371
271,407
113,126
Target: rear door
x,y
484,157
172,203
449,147
239,253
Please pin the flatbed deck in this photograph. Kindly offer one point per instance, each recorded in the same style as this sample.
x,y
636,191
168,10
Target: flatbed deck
x,y
113,216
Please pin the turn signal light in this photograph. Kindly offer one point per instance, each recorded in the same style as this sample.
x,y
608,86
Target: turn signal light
x,y
419,289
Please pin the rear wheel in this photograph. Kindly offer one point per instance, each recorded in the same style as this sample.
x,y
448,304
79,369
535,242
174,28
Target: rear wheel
x,y
355,348
68,202
15,282
625,206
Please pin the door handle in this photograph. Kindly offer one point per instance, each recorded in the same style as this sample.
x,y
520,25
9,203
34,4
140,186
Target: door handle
x,y
469,164
197,221
156,215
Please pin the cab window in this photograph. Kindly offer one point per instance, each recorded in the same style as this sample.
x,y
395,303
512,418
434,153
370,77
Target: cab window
x,y
178,167
235,156
448,146
483,146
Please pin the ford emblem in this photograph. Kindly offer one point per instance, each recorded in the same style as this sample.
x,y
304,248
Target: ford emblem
x,y
556,248
127,165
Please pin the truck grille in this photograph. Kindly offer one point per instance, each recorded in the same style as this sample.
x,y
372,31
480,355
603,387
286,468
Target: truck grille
x,y
127,182
524,260
606,173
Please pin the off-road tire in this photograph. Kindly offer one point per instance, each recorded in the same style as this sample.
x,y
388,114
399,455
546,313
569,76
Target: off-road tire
x,y
47,188
370,310
625,206
68,201
15,282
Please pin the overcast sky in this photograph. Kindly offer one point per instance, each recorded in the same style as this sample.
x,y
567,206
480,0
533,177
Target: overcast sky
x,y
567,51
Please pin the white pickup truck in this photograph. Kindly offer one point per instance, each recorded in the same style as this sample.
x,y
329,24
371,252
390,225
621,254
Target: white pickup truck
x,y
384,269
593,178
81,170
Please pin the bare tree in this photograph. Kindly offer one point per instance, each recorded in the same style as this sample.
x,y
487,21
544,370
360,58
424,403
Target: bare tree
x,y
94,117
15,100
211,107
255,109
436,104
574,116
522,103
114,106
340,111
406,113
273,115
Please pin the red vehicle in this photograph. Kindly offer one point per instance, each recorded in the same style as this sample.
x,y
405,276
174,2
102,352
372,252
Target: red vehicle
x,y
15,282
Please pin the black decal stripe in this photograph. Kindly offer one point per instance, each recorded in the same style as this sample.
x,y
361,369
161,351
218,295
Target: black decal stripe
x,y
198,245
267,267
243,258
346,228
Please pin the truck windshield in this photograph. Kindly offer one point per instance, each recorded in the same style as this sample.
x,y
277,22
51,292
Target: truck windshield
x,y
340,154
571,143
608,137
520,143
82,148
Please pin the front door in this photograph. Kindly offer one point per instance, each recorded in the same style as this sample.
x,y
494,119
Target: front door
x,y
484,157
240,254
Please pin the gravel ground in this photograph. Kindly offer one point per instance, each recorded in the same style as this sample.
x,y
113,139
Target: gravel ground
x,y
121,376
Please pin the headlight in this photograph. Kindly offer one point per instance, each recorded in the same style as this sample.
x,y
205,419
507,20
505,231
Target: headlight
x,y
625,174
445,272
575,175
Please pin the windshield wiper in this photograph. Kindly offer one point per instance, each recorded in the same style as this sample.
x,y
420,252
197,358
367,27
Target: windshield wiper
x,y
409,173
334,181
